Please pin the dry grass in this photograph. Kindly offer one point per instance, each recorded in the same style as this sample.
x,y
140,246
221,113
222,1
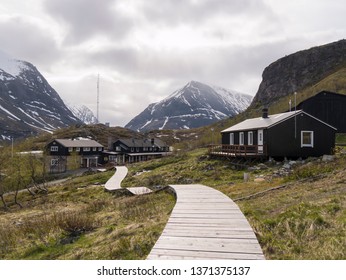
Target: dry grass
x,y
78,221
305,220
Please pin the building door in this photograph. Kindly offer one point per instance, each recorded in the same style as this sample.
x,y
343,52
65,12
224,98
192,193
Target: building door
x,y
260,141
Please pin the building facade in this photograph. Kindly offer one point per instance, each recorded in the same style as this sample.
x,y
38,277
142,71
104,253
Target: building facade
x,y
129,150
329,107
292,134
69,154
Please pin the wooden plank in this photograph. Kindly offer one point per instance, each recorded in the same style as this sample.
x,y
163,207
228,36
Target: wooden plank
x,y
139,190
206,224
114,183
162,254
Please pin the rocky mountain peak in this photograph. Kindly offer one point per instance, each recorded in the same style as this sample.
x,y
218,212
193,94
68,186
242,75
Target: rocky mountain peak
x,y
28,104
194,105
299,70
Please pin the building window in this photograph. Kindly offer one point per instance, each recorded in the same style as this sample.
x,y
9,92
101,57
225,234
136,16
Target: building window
x,y
54,148
307,139
145,149
94,149
78,149
70,150
100,149
86,149
241,138
250,138
54,162
118,148
231,139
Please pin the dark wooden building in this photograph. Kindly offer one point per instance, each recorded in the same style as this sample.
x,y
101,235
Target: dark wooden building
x,y
135,150
291,134
67,154
327,106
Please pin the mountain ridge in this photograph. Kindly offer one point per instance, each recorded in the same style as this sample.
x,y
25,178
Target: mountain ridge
x,y
194,105
298,71
28,104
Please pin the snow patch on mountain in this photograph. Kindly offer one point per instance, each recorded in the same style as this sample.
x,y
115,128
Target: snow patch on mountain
x,y
192,106
28,104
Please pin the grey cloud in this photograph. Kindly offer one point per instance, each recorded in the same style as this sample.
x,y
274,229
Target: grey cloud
x,y
27,41
174,12
87,18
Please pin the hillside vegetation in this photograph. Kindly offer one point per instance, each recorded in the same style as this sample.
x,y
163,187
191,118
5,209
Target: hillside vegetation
x,y
79,220
304,219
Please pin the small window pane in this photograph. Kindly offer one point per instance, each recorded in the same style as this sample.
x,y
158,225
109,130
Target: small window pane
x,y
307,138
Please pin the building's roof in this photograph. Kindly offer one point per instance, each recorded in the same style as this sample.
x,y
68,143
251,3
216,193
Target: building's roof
x,y
74,143
138,143
262,123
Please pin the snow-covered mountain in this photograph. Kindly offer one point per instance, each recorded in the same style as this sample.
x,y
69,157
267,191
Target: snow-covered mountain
x,y
192,106
28,104
83,113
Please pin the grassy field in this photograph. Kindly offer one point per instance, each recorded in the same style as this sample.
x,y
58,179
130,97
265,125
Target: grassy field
x,y
79,220
305,219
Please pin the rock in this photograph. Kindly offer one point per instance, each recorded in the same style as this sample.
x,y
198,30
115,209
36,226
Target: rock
x,y
327,158
286,166
262,166
299,70
260,179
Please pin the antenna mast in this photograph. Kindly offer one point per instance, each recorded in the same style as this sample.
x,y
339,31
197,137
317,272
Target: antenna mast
x,y
98,98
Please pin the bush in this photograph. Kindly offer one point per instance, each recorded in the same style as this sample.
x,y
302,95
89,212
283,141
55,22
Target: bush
x,y
75,223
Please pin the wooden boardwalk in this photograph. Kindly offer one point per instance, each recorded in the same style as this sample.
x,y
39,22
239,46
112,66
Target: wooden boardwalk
x,y
114,183
206,224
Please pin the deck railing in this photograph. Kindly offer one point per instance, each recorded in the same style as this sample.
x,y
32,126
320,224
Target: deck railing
x,y
238,150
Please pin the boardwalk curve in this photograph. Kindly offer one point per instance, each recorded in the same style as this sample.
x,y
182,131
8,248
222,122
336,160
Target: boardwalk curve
x,y
114,183
206,224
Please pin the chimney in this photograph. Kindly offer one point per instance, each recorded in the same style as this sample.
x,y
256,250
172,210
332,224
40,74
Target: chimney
x,y
110,143
152,141
265,113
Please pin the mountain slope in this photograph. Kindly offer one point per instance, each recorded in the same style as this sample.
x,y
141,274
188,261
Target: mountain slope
x,y
299,71
194,105
82,113
28,104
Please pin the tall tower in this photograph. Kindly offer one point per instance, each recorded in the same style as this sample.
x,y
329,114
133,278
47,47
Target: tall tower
x,y
98,98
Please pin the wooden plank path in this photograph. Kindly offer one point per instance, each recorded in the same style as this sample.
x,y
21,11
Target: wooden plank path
x,y
114,183
206,224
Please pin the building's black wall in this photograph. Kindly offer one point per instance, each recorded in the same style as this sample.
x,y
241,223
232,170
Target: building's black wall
x,y
328,107
281,140
62,151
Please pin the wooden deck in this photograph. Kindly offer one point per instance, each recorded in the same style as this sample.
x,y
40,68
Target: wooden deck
x,y
233,151
206,224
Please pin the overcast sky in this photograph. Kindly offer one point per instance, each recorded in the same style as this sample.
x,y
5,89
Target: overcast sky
x,y
146,49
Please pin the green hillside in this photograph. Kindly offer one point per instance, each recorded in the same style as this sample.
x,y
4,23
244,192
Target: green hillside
x,y
303,219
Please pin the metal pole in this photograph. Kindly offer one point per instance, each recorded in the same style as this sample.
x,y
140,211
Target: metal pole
x,y
295,116
12,148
